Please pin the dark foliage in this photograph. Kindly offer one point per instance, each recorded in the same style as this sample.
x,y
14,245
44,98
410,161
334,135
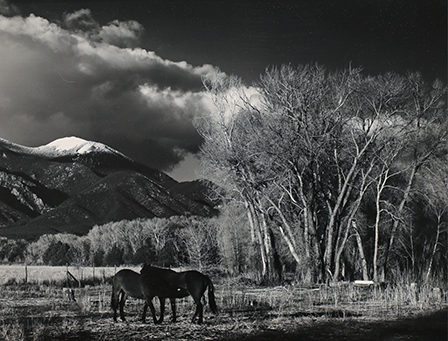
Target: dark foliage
x,y
57,254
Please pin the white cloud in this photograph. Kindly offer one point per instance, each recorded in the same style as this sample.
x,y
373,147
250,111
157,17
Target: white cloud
x,y
81,20
126,34
187,169
85,80
118,33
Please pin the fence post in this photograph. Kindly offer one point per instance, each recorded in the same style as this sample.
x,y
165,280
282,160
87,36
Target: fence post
x,y
70,275
26,273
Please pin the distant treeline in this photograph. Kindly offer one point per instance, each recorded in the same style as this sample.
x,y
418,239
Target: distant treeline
x,y
166,242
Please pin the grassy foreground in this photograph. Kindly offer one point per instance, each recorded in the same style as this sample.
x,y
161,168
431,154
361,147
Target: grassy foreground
x,y
46,311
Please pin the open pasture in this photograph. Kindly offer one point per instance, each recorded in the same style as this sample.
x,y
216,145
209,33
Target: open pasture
x,y
40,274
44,311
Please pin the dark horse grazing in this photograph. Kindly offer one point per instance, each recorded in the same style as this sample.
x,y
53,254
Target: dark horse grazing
x,y
164,283
182,284
130,283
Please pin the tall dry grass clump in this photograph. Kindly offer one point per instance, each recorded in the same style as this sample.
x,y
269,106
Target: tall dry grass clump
x,y
343,299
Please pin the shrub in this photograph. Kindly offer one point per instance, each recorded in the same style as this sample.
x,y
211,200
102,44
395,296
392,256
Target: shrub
x,y
12,250
144,254
114,256
57,254
98,257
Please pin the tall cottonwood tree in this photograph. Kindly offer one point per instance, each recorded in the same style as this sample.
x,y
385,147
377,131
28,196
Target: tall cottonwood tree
x,y
424,142
436,195
305,159
226,163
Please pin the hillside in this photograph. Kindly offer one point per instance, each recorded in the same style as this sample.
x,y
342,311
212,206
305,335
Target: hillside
x,y
71,185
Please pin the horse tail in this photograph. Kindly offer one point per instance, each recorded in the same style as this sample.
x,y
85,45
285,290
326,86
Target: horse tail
x,y
211,297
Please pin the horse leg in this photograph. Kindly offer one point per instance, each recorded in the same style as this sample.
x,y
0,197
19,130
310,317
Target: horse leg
x,y
199,310
122,302
173,308
162,309
145,308
114,302
151,307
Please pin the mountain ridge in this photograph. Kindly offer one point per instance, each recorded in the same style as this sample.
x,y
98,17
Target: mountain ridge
x,y
65,146
71,184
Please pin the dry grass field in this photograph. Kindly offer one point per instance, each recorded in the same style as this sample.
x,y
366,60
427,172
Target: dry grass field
x,y
39,274
44,311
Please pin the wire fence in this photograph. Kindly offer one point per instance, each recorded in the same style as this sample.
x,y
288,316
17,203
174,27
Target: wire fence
x,y
63,275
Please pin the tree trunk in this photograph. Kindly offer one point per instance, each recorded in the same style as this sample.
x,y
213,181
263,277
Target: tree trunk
x,y
351,222
337,258
250,217
399,214
328,255
313,257
273,273
258,240
376,239
434,250
365,272
287,235
267,245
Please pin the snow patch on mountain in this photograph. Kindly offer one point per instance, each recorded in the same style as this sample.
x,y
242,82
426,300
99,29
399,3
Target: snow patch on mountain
x,y
73,146
66,146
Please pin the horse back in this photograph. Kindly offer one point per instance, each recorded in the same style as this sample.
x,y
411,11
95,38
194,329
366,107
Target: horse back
x,y
164,282
128,281
195,281
177,284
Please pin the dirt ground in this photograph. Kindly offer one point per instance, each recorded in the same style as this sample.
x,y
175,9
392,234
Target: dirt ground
x,y
432,326
49,315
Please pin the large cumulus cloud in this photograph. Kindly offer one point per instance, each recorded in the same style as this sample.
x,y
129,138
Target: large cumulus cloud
x,y
76,77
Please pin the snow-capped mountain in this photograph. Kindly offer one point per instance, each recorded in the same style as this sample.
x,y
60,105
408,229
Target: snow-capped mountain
x,y
66,146
74,145
71,184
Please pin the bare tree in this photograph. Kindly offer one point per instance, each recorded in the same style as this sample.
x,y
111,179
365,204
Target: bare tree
x,y
424,140
200,242
435,193
226,162
306,161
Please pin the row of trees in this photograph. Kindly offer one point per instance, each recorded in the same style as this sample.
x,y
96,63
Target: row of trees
x,y
196,242
166,242
347,173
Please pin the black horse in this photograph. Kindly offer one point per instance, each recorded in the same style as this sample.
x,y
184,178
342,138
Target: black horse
x,y
130,283
163,283
182,284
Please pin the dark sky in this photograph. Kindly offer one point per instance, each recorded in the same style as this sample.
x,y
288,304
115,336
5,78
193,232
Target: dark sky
x,y
132,80
244,37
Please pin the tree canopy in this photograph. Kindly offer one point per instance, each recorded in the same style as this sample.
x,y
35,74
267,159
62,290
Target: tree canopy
x,y
330,165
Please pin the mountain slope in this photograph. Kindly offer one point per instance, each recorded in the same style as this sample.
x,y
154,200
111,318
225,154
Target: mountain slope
x,y
71,185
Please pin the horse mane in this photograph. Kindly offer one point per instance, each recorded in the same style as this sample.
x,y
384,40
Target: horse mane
x,y
149,266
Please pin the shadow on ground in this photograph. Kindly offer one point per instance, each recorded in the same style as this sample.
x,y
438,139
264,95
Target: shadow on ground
x,y
424,327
